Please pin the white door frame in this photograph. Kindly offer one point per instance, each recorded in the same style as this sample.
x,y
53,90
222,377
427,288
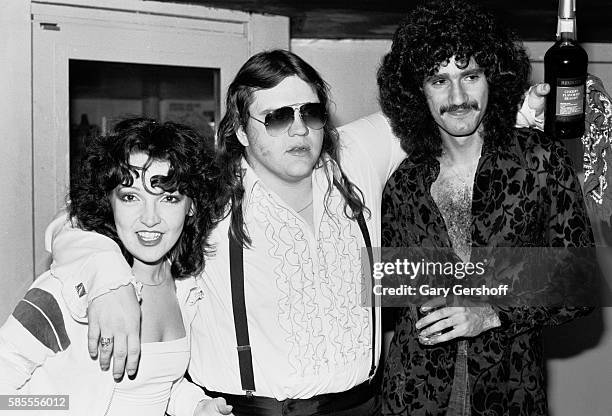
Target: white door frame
x,y
189,36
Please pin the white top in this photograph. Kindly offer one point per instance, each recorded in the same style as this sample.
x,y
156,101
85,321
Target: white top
x,y
309,332
161,364
44,351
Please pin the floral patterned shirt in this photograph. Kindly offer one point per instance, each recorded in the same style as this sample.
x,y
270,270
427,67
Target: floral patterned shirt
x,y
525,194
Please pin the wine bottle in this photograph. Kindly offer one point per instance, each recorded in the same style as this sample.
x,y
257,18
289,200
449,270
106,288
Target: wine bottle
x,y
565,70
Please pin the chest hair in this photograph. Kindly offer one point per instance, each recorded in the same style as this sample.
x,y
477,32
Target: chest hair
x,y
453,196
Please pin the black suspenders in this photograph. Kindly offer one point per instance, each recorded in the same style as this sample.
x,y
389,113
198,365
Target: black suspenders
x,y
368,243
245,359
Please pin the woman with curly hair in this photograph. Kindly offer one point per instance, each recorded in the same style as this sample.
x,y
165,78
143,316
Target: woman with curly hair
x,y
151,188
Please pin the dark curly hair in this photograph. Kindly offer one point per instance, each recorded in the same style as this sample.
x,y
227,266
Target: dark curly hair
x,y
192,173
428,37
266,70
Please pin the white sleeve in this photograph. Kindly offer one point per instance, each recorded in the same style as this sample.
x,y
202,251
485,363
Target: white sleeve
x,y
88,264
184,398
371,137
526,116
20,354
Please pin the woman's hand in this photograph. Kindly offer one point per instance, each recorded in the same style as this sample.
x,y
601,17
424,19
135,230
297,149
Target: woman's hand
x,y
115,316
210,407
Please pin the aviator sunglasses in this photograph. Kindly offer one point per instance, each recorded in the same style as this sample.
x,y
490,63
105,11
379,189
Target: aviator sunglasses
x,y
278,121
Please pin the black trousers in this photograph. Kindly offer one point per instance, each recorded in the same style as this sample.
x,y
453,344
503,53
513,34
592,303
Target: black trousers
x,y
362,400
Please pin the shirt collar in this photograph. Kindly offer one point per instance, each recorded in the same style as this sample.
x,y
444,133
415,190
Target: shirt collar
x,y
429,166
250,180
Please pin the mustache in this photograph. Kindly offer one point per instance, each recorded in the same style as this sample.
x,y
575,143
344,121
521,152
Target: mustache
x,y
470,105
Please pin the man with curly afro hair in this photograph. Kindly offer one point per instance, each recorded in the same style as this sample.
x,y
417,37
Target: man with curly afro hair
x,y
450,87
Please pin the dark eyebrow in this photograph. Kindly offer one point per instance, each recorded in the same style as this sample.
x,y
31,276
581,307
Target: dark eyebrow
x,y
269,110
435,76
473,71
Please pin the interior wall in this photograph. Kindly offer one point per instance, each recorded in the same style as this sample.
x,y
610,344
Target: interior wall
x,y
17,236
579,354
349,67
16,254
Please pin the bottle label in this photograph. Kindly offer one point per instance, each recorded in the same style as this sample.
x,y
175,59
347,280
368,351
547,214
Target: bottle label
x,y
570,98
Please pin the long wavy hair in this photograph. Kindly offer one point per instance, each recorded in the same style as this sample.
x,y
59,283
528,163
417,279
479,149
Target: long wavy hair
x,y
192,173
266,70
427,38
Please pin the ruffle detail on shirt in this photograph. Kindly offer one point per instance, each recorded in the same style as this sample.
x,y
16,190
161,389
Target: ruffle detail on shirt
x,y
319,312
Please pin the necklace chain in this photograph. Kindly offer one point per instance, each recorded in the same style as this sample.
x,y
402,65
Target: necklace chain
x,y
153,285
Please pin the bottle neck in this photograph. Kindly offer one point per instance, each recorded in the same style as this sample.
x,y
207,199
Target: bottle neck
x,y
566,36
566,29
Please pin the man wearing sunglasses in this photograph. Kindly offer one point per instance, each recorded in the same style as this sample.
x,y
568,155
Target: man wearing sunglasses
x,y
278,121
283,330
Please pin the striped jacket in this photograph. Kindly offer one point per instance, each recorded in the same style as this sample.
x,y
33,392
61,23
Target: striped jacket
x,y
43,350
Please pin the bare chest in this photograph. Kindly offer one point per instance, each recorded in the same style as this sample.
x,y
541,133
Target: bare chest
x,y
161,315
453,196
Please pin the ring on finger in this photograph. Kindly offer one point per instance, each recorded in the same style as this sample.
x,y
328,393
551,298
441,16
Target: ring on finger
x,y
105,342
